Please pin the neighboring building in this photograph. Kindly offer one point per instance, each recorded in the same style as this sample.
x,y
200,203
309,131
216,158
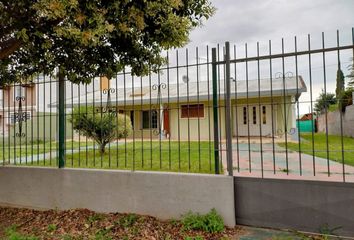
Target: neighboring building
x,y
307,123
17,103
185,110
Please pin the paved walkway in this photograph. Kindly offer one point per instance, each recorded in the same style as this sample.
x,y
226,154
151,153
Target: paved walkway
x,y
247,161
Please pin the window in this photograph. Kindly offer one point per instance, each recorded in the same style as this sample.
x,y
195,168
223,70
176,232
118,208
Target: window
x,y
16,117
254,115
150,119
244,115
264,115
192,111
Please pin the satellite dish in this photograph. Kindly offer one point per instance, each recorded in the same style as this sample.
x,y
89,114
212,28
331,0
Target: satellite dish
x,y
185,79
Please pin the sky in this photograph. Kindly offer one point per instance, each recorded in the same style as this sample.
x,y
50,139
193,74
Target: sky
x,y
252,21
241,21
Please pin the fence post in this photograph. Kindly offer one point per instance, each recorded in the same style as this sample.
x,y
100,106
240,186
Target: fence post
x,y
61,100
215,111
228,110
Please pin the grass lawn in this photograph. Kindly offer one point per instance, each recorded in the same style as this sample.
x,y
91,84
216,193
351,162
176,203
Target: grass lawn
x,y
320,147
147,156
17,150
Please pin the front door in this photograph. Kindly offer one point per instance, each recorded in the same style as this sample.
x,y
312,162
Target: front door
x,y
253,120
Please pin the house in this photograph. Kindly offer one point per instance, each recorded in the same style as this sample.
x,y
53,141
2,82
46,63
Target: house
x,y
17,104
184,110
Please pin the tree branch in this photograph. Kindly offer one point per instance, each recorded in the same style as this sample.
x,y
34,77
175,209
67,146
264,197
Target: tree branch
x,y
8,47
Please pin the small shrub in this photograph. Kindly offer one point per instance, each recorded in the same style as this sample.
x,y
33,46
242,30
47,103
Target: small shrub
x,y
102,127
211,222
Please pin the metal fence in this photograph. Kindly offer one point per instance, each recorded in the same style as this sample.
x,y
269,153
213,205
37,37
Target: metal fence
x,y
233,109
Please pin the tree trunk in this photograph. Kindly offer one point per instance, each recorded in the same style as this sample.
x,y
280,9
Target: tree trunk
x,y
102,148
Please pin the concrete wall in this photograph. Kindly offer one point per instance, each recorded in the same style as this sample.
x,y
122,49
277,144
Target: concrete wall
x,y
333,120
163,195
300,205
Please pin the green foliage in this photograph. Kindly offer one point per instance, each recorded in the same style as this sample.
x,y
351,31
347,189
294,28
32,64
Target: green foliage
x,y
12,234
52,227
210,222
346,99
327,230
194,238
92,38
340,83
351,75
103,234
324,101
94,218
128,220
102,127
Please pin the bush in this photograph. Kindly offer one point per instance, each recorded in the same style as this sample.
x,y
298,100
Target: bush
x,y
346,99
211,222
102,127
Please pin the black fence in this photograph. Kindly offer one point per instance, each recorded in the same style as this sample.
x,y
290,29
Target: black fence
x,y
270,110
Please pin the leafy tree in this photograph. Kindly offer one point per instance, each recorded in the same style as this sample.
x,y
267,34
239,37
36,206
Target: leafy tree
x,y
351,75
340,82
346,99
324,101
102,127
92,38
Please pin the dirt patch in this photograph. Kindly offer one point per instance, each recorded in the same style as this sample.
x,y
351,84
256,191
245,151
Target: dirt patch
x,y
85,224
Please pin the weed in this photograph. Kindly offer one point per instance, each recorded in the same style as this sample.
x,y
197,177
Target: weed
x,y
326,230
128,220
194,238
12,234
52,228
94,218
210,222
67,237
103,234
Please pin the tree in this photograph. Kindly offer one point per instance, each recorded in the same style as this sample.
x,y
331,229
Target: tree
x,y
346,99
351,75
340,82
324,101
102,127
92,38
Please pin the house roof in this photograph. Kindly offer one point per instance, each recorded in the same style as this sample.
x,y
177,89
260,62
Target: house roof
x,y
193,91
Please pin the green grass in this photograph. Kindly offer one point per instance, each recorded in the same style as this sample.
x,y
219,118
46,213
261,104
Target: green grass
x,y
147,156
28,149
320,147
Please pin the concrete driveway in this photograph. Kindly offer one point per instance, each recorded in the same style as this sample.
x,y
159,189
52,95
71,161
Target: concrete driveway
x,y
248,158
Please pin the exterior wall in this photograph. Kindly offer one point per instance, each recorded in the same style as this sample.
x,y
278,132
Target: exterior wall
x,y
10,105
179,126
9,97
42,127
292,204
163,195
333,121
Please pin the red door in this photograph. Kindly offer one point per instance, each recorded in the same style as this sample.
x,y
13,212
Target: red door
x,y
166,122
